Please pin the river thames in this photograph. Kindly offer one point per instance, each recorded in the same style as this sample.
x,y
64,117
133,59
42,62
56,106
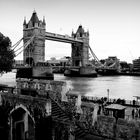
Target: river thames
x,y
124,87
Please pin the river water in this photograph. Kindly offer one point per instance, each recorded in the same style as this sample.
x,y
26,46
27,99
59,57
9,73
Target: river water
x,y
124,87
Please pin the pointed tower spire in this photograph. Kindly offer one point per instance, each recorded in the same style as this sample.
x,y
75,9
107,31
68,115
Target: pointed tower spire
x,y
87,32
44,22
24,23
80,31
72,34
34,17
34,21
34,11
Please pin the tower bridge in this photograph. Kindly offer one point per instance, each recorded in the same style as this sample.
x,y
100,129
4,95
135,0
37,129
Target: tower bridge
x,y
35,51
34,36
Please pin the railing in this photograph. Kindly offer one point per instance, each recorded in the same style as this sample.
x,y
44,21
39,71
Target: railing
x,y
119,101
100,100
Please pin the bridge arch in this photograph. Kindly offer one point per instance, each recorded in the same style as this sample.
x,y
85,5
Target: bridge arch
x,y
22,124
29,61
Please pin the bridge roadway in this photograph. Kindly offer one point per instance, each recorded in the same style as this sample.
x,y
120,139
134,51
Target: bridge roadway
x,y
62,38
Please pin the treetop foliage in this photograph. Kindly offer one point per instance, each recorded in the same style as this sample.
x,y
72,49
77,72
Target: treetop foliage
x,y
6,54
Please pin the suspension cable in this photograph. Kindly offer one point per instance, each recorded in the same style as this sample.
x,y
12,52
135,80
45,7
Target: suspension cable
x,y
18,49
19,53
25,45
28,42
15,45
22,46
95,57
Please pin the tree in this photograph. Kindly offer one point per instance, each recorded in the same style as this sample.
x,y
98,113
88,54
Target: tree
x,y
6,54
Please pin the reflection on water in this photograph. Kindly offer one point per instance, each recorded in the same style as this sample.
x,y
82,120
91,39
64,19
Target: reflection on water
x,y
8,79
119,86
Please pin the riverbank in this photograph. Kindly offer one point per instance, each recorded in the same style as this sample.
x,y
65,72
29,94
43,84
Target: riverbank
x,y
129,73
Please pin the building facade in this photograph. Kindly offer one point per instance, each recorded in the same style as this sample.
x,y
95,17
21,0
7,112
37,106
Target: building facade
x,y
136,65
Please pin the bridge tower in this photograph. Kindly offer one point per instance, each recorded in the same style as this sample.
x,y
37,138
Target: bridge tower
x,y
34,52
80,51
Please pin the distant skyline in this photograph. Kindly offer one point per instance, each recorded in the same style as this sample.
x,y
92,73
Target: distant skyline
x,y
114,25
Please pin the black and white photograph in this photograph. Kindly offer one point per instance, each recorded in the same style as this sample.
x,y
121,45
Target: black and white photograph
x,y
70,70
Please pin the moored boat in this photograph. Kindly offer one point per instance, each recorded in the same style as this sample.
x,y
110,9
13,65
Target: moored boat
x,y
108,72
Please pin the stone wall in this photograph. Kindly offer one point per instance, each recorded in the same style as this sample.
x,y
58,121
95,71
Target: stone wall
x,y
121,129
128,129
56,89
108,126
105,126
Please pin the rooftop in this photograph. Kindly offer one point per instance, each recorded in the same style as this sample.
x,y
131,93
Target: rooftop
x,y
115,107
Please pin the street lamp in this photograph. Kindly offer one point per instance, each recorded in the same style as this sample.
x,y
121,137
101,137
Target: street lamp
x,y
108,94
